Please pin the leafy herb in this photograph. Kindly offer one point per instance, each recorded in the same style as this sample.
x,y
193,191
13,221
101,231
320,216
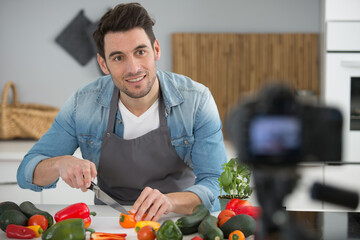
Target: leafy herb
x,y
235,179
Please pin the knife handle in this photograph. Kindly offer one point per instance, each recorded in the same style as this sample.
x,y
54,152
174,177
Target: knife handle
x,y
92,185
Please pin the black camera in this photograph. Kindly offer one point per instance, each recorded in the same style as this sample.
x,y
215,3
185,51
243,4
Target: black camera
x,y
276,128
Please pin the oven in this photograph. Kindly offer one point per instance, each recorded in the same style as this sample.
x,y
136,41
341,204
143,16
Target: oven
x,y
342,81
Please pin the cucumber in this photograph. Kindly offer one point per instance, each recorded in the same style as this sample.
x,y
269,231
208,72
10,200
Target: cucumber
x,y
8,205
12,216
242,222
209,229
29,209
189,224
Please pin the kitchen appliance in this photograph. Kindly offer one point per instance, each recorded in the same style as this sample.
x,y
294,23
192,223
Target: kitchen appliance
x,y
342,81
102,196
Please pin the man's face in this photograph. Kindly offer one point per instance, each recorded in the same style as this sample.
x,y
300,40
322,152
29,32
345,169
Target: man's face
x,y
130,59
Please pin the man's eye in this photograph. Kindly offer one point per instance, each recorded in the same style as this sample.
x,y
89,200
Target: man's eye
x,y
141,52
118,58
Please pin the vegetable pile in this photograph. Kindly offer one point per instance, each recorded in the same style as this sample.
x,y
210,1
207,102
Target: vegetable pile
x,y
26,221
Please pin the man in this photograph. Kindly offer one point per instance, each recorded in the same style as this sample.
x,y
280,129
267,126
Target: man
x,y
145,134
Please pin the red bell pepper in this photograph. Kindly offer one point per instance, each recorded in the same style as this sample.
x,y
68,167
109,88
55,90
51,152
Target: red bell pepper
x,y
252,211
77,210
235,203
19,232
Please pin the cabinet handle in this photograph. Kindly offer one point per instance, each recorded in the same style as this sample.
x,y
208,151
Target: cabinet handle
x,y
8,183
351,64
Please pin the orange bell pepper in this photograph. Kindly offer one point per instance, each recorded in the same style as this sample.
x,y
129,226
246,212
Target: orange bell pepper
x,y
237,235
77,210
127,220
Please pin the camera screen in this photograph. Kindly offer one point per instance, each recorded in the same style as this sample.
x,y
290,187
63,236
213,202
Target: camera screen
x,y
275,136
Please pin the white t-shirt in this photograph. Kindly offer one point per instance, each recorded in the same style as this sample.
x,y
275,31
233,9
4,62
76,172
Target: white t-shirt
x,y
134,126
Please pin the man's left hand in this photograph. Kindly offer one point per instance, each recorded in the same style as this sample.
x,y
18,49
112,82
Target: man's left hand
x,y
152,203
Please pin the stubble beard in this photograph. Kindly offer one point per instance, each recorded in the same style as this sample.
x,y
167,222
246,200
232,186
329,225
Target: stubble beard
x,y
141,94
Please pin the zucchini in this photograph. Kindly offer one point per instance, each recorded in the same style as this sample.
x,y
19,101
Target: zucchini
x,y
189,224
8,205
29,209
242,222
209,229
12,216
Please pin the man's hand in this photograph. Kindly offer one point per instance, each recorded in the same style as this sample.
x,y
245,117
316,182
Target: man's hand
x,y
155,204
76,172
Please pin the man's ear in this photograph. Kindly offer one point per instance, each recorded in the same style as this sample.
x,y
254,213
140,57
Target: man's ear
x,y
102,64
157,50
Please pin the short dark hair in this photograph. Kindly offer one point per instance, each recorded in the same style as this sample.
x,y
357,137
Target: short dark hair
x,y
123,17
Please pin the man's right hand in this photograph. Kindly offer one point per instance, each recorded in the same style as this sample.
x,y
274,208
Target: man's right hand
x,y
77,173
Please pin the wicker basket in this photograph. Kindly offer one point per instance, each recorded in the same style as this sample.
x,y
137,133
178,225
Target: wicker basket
x,y
19,120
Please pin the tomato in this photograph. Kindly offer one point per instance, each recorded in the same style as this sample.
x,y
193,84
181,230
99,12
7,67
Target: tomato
x,y
235,203
237,235
252,211
146,233
224,216
38,220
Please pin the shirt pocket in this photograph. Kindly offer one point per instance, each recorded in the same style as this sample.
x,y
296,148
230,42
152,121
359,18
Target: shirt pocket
x,y
90,146
183,146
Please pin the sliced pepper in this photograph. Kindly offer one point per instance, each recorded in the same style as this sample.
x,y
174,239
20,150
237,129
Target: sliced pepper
x,y
69,229
169,231
19,232
37,229
153,224
107,236
77,210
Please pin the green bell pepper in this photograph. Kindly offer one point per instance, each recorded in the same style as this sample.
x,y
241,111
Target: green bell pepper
x,y
70,229
169,231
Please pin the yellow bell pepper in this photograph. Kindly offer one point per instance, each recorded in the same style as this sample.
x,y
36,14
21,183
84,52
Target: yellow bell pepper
x,y
153,224
37,229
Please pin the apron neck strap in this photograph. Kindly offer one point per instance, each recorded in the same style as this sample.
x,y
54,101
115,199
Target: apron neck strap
x,y
113,109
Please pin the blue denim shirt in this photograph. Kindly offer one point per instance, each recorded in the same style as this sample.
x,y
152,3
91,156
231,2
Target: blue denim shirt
x,y
192,118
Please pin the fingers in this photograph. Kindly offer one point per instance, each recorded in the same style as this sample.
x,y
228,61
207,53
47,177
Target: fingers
x,y
153,203
77,173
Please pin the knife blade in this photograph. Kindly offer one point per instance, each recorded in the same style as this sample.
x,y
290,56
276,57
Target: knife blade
x,y
102,196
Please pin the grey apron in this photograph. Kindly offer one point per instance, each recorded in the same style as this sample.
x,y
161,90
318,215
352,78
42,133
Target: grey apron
x,y
126,167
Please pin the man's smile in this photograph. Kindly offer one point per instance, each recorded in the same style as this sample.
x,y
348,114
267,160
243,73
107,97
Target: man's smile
x,y
136,79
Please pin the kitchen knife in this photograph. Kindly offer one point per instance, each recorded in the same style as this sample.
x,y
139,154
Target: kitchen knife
x,y
102,196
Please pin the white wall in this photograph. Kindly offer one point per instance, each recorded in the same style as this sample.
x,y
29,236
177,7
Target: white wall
x,y
45,73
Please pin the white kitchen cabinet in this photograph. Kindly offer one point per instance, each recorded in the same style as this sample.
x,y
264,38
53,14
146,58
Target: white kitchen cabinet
x,y
342,10
344,177
11,155
300,198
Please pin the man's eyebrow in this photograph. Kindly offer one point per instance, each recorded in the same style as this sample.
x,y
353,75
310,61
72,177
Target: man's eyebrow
x,y
119,52
115,53
141,46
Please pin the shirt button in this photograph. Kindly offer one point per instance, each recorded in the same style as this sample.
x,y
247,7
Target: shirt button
x,y
92,142
108,134
119,122
186,142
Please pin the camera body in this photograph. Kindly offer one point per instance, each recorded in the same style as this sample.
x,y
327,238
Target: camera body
x,y
276,128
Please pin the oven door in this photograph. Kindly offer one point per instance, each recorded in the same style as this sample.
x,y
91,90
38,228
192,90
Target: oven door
x,y
342,89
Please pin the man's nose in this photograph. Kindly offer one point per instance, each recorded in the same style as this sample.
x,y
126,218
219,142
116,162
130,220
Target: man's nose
x,y
132,65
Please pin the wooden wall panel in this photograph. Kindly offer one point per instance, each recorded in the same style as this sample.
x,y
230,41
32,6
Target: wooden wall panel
x,y
235,65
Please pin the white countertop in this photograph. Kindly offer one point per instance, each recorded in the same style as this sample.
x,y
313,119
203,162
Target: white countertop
x,y
106,220
15,150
